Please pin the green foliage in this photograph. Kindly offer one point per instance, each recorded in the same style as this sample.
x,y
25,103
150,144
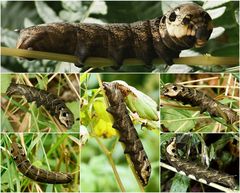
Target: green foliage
x,y
177,120
55,152
180,183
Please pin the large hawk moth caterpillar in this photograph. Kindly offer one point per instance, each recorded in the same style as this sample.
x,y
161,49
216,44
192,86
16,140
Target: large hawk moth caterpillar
x,y
195,169
181,28
34,173
196,98
128,134
50,101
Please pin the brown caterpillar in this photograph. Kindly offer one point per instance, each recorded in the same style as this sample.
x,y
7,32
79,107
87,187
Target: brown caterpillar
x,y
51,102
128,134
196,98
196,170
165,37
34,173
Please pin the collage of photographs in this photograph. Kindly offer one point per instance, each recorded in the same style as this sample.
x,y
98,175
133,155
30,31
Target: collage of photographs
x,y
120,96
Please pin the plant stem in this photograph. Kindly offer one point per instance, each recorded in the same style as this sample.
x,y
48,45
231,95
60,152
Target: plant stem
x,y
214,185
96,62
134,172
109,156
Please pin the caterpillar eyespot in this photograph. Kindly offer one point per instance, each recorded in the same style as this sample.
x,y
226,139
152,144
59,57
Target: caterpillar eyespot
x,y
196,98
128,134
51,102
196,170
163,37
34,173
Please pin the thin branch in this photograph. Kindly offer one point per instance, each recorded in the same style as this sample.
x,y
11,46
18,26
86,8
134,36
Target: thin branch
x,y
109,156
134,171
37,54
204,60
72,86
214,185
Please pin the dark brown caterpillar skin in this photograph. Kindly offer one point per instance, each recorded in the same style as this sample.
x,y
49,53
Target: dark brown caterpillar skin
x,y
128,134
196,98
165,37
50,101
196,170
34,173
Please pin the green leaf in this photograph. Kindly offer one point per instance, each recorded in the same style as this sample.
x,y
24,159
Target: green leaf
x,y
213,4
212,153
75,108
180,183
71,16
165,137
8,37
139,102
46,13
207,128
98,7
72,5
6,79
217,31
168,5
177,120
28,22
227,101
216,13
5,124
237,16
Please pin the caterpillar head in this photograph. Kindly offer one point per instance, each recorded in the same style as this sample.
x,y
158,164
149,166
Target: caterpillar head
x,y
111,89
17,152
66,117
187,25
171,90
171,148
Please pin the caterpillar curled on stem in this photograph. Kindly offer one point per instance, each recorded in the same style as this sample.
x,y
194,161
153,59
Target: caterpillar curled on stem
x,y
34,173
197,170
51,102
128,134
165,37
196,98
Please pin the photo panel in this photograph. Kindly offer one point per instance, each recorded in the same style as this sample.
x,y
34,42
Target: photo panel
x,y
120,108
40,102
40,162
199,102
192,162
110,36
